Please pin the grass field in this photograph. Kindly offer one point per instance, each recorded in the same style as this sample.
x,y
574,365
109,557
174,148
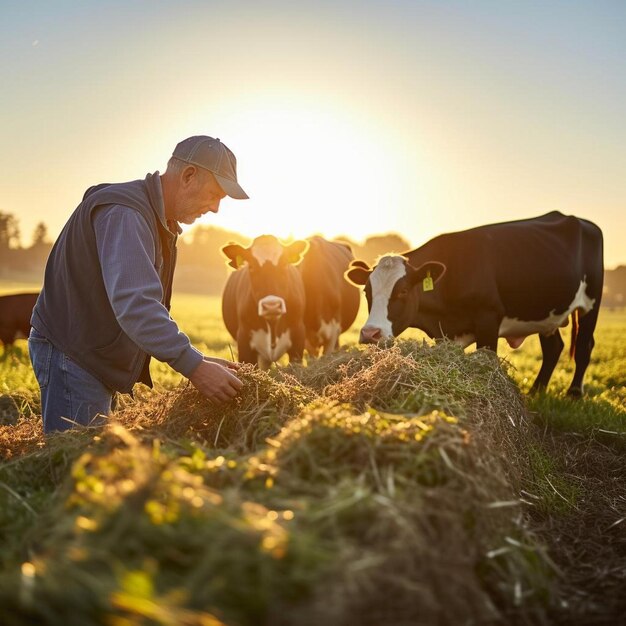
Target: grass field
x,y
604,406
414,485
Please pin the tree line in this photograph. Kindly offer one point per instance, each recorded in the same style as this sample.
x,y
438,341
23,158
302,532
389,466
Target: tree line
x,y
201,268
18,260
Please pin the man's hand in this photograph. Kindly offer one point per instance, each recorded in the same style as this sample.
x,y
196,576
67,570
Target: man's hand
x,y
231,365
214,378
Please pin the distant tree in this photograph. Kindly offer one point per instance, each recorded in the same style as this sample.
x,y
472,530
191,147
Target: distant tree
x,y
201,267
9,243
614,295
202,246
9,232
378,245
40,235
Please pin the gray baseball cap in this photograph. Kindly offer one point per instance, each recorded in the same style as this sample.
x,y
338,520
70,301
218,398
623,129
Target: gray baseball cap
x,y
212,155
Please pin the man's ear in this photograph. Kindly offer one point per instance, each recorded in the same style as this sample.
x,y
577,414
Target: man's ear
x,y
237,254
428,274
358,273
189,171
294,252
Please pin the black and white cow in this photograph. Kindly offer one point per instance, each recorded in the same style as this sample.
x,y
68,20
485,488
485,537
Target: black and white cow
x,y
332,303
263,301
506,280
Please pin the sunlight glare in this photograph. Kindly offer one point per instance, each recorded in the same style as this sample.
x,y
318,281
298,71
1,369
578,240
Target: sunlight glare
x,y
308,168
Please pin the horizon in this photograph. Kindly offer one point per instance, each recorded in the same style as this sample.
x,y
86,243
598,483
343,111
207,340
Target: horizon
x,y
349,119
187,235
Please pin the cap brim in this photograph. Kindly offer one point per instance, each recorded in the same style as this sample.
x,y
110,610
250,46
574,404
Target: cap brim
x,y
231,188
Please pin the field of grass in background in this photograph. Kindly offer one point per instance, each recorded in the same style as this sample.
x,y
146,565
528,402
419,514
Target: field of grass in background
x,y
605,380
604,406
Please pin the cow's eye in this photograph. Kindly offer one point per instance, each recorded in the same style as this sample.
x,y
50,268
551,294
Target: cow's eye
x,y
402,293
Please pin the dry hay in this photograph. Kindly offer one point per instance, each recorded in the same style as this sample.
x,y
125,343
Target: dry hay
x,y
410,378
136,537
422,515
261,408
401,469
318,373
21,438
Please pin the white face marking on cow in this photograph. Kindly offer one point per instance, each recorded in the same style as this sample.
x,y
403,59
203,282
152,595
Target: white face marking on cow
x,y
266,249
517,329
260,341
389,270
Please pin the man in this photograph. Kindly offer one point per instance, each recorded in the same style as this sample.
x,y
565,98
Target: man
x,y
104,307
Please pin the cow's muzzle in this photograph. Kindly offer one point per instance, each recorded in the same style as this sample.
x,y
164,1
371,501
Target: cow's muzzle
x,y
272,307
370,334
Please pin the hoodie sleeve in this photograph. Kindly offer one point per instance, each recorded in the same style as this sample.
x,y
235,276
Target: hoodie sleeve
x,y
127,256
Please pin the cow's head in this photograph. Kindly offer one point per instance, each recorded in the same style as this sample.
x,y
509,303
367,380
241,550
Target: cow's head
x,y
268,262
393,289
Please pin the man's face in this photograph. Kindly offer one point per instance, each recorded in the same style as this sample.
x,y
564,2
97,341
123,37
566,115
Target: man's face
x,y
198,193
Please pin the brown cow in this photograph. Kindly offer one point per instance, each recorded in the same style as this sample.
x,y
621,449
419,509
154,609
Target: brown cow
x,y
263,301
15,312
331,302
285,297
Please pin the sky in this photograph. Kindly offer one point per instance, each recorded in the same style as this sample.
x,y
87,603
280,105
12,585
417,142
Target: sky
x,y
347,117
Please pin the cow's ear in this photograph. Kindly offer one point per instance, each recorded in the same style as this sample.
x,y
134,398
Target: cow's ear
x,y
427,274
294,252
359,263
236,254
358,273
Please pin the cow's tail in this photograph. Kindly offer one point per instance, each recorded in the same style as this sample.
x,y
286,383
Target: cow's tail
x,y
572,348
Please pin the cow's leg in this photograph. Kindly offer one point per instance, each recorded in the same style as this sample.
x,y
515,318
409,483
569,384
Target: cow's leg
x,y
551,347
296,350
584,346
331,342
6,336
486,327
246,353
263,362
311,345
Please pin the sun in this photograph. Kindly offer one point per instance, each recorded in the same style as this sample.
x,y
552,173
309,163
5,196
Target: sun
x,y
308,167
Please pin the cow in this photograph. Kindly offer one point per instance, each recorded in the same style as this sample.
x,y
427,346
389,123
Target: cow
x,y
15,312
510,280
331,302
263,301
285,298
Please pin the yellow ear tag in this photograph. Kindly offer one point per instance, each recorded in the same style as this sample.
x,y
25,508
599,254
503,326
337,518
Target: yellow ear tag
x,y
239,261
427,283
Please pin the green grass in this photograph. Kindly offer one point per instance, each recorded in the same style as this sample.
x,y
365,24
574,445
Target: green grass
x,y
553,492
604,406
306,506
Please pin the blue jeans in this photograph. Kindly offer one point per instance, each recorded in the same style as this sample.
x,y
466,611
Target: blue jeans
x,y
70,396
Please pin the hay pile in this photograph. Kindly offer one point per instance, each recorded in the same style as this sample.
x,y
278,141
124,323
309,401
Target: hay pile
x,y
260,409
373,486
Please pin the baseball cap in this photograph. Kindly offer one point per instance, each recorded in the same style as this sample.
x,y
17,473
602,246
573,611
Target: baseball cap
x,y
212,155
